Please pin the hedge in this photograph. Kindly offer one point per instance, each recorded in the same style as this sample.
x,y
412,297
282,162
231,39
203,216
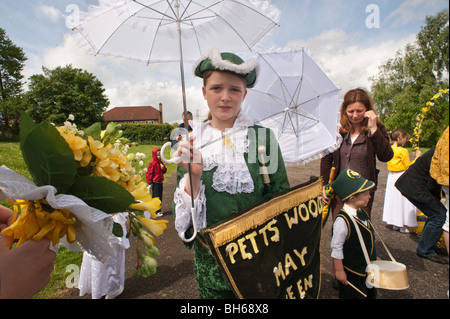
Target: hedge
x,y
147,133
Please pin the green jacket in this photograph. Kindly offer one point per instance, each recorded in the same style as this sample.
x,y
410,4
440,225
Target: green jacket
x,y
220,205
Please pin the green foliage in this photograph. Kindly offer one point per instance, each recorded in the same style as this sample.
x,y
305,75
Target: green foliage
x,y
12,61
406,82
102,193
147,133
48,156
66,90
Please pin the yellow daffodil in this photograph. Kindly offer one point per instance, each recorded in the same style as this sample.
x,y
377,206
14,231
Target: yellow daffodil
x,y
155,226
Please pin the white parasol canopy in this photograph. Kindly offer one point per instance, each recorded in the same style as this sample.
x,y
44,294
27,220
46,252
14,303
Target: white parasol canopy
x,y
299,102
147,30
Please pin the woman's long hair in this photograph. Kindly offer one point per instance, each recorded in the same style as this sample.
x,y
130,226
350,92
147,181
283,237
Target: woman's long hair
x,y
354,96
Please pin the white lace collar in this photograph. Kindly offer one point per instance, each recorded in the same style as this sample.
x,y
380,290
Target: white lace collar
x,y
227,154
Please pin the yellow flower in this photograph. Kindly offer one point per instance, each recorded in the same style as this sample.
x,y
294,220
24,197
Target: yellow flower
x,y
36,223
436,96
425,109
78,146
155,226
151,206
97,148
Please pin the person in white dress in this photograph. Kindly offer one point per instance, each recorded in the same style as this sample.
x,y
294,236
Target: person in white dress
x,y
398,211
107,278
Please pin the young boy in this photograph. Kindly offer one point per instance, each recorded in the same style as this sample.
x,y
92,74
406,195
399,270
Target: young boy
x,y
348,261
155,175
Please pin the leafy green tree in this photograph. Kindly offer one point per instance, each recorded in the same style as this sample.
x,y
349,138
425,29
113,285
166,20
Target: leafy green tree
x,y
12,61
406,82
10,110
57,93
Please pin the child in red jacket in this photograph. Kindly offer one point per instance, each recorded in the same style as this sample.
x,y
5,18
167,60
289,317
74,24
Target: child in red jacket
x,y
155,174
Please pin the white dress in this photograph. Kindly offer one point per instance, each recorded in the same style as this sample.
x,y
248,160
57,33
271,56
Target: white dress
x,y
108,278
398,211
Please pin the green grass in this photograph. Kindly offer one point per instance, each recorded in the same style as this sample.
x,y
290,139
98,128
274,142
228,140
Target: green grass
x,y
11,156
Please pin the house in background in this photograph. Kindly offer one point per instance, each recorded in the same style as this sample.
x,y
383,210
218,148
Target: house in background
x,y
135,115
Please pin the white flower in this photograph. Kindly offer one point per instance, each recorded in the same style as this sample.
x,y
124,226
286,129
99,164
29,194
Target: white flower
x,y
140,155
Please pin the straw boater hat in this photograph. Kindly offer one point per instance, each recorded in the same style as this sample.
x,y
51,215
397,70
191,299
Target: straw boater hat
x,y
350,183
214,60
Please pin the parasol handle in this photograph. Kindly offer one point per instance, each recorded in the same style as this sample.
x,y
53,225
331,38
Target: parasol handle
x,y
194,225
333,171
176,159
264,171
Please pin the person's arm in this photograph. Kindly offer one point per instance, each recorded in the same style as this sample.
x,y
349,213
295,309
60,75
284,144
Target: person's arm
x,y
149,174
191,155
380,140
326,163
340,232
339,271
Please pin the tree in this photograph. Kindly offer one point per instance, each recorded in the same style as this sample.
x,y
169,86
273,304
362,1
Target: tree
x,y
405,83
12,61
10,110
57,93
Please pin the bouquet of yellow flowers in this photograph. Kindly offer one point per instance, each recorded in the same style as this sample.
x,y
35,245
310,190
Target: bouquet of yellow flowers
x,y
80,178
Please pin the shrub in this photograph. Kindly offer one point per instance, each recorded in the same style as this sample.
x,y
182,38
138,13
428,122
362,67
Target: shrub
x,y
147,133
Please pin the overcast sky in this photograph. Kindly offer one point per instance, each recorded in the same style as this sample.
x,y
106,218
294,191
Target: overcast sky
x,y
348,39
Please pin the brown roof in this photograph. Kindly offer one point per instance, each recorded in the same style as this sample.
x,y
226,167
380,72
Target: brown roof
x,y
131,113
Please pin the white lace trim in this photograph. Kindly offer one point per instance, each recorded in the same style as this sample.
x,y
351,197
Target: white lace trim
x,y
319,155
232,174
93,227
183,219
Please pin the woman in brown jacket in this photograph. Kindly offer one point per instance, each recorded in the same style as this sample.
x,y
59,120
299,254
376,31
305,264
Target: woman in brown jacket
x,y
364,137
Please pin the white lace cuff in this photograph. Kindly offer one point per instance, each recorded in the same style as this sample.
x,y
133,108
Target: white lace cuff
x,y
183,219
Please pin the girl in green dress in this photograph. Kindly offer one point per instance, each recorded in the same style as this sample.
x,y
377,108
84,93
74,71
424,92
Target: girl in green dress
x,y
225,174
